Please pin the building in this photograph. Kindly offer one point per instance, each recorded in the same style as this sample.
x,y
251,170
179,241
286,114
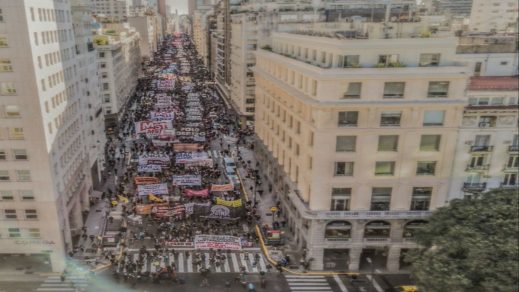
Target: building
x,y
494,16
44,173
119,61
454,7
357,134
148,26
112,10
487,154
89,88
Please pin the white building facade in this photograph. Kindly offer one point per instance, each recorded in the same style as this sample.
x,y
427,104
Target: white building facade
x,y
498,16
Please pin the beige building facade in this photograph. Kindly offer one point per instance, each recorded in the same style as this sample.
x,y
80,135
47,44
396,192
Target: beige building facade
x,y
359,136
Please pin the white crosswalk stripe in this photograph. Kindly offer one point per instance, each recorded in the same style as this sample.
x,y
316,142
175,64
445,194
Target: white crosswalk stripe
x,y
70,283
303,283
185,263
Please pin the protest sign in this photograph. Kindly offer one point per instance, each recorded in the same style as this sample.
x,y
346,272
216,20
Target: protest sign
x,y
222,188
197,193
143,180
143,209
187,180
225,242
234,203
160,116
149,168
161,159
151,127
156,189
187,147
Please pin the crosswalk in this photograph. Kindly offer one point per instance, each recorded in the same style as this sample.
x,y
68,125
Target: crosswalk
x,y
304,283
215,154
70,283
185,262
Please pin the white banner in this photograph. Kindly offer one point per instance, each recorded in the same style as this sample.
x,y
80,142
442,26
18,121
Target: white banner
x,y
185,157
187,180
159,116
154,158
217,242
149,168
152,126
155,189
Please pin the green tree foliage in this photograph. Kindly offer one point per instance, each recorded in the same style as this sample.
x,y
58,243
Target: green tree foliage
x,y
470,245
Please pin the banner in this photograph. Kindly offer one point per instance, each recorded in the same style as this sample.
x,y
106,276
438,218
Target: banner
x,y
156,189
160,159
151,127
187,180
235,203
197,193
186,157
190,207
158,116
187,147
154,198
143,209
222,188
166,210
143,180
217,242
149,168
175,244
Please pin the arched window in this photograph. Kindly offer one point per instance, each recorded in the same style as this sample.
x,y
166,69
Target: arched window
x,y
411,226
377,229
338,230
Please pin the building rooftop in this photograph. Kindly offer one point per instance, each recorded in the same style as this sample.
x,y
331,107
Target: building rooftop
x,y
494,83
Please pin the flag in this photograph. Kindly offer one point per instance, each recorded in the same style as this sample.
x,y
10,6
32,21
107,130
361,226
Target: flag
x,y
123,199
154,198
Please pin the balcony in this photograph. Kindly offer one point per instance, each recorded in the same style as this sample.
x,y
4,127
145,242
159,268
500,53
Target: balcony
x,y
513,148
510,168
481,148
474,187
483,167
341,239
376,239
509,185
371,215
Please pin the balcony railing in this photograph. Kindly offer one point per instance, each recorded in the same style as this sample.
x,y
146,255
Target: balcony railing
x,y
331,215
483,148
338,239
376,239
509,186
513,148
510,168
474,187
477,167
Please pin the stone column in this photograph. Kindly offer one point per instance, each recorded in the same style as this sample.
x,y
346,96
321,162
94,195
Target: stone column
x,y
318,255
355,258
357,230
393,259
397,230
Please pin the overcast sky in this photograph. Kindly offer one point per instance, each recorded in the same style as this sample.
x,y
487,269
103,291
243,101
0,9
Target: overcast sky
x,y
181,5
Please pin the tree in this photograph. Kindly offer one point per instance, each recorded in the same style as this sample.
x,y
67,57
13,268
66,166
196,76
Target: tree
x,y
470,245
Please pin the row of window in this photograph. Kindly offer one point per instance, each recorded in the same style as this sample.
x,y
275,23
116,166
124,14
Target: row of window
x,y
16,154
23,195
21,175
384,168
10,112
13,214
381,199
341,230
435,89
22,233
53,15
387,143
13,133
391,118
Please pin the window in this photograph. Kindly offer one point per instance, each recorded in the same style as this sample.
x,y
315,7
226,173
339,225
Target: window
x,y
438,89
394,89
345,143
4,175
34,232
388,60
26,195
23,175
390,118
3,154
388,143
340,199
338,230
14,232
3,42
385,168
10,214
7,88
427,60
20,154
348,119
31,214
421,199
101,54
16,134
5,65
12,111
511,180
1,16
433,118
6,196
487,121
430,143
344,168
353,90
349,61
513,161
380,199
482,140
426,168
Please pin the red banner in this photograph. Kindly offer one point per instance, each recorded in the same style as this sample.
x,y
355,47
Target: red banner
x,y
187,147
144,180
222,188
194,193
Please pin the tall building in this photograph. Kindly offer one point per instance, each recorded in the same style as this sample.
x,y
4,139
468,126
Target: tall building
x,y
357,134
494,16
113,10
149,28
119,61
44,173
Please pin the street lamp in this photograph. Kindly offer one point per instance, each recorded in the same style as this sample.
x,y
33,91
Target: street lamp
x,y
368,259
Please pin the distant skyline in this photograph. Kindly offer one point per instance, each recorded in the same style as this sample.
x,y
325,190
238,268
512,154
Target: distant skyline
x,y
180,5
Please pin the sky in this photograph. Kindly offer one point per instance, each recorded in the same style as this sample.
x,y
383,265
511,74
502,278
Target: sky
x,y
181,5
